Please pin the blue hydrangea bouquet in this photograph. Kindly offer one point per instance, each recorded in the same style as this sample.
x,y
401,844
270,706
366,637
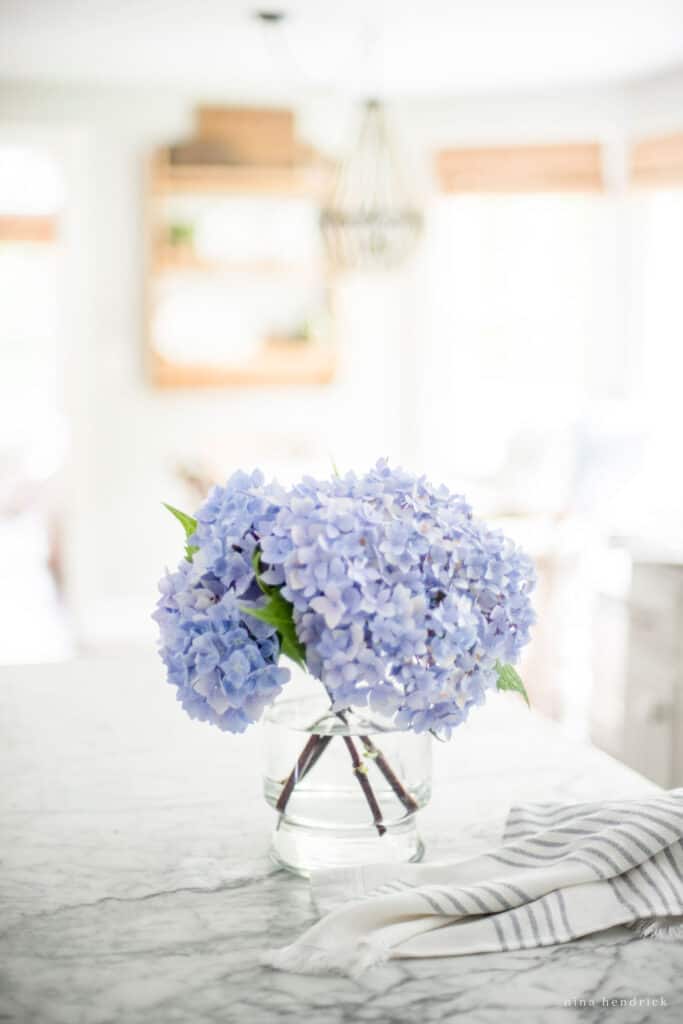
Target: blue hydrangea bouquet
x,y
384,587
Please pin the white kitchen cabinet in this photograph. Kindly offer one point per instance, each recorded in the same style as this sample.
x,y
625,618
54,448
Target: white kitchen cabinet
x,y
637,706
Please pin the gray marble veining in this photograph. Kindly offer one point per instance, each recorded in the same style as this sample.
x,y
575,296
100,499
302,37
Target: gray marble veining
x,y
136,886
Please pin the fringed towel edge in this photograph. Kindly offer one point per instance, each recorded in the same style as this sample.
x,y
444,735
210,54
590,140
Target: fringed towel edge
x,y
300,958
669,929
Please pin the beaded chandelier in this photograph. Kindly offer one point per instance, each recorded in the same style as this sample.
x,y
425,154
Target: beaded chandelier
x,y
371,221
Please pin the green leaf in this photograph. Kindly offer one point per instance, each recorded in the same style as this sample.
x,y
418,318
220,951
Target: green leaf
x,y
188,524
277,612
256,566
509,679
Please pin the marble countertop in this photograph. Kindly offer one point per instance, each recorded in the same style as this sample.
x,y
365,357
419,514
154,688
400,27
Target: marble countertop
x,y
136,886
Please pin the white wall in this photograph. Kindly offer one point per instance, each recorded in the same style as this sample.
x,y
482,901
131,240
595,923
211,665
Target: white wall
x,y
127,438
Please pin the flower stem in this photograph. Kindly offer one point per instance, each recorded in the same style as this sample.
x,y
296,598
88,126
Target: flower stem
x,y
298,771
387,771
317,753
313,751
360,771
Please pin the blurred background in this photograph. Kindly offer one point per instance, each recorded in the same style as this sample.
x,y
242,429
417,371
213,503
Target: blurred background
x,y
446,233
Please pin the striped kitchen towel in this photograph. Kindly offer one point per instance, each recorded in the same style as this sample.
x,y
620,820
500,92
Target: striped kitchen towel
x,y
563,871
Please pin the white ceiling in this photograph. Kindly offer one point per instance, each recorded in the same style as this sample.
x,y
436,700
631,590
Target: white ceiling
x,y
395,47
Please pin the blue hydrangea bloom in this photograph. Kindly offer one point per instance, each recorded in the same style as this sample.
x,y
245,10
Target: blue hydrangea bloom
x,y
223,662
403,600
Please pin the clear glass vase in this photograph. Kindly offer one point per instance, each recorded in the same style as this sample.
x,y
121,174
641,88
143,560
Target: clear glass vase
x,y
346,787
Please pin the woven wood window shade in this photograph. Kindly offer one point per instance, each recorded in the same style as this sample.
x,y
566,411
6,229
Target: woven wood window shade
x,y
27,229
658,162
570,167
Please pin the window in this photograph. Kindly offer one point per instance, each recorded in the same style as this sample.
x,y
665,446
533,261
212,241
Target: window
x,y
522,321
32,425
